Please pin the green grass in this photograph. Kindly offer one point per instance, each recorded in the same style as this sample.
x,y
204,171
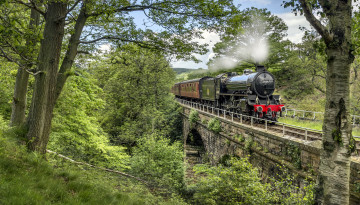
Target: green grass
x,y
316,125
26,178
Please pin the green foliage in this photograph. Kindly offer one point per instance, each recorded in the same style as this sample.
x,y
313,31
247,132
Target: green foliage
x,y
214,125
15,34
204,121
287,191
249,141
7,81
3,125
352,145
235,184
136,84
302,75
357,187
356,31
293,151
160,162
27,178
75,130
355,85
182,70
239,137
193,117
239,183
336,134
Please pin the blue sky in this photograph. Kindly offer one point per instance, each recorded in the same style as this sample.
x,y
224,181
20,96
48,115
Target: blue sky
x,y
274,6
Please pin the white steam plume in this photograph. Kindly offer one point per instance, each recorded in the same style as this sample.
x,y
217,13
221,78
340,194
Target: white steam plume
x,y
251,46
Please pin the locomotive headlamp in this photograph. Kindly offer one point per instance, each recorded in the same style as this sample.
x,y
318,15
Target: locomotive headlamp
x,y
259,109
283,109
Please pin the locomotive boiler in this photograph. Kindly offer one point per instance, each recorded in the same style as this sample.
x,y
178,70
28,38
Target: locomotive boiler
x,y
249,94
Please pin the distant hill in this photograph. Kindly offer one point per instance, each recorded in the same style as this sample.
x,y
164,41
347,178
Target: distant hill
x,y
183,70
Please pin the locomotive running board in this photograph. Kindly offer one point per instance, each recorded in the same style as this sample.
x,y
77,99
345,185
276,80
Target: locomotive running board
x,y
238,95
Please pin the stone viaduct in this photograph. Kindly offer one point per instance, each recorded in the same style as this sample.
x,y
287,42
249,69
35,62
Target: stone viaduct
x,y
266,150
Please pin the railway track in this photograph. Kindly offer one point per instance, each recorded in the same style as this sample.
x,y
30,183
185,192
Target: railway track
x,y
276,127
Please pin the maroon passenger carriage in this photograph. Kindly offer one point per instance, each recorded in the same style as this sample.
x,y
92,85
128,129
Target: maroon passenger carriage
x,y
250,94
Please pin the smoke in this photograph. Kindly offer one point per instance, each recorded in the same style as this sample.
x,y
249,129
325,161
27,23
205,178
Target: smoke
x,y
251,46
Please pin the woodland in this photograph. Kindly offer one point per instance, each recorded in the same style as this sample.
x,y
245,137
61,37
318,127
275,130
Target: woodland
x,y
80,125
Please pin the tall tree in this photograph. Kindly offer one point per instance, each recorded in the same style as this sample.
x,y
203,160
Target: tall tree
x,y
90,22
333,180
136,84
19,45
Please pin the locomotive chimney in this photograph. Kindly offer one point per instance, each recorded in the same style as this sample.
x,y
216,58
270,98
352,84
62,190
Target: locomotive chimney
x,y
260,68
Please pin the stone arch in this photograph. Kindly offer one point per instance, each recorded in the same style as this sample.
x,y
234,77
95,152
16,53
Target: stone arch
x,y
194,146
194,138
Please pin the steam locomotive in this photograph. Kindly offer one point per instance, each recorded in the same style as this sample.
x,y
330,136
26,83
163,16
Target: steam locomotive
x,y
249,94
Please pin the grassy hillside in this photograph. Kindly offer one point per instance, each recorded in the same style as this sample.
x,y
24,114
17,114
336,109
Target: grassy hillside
x,y
182,70
26,178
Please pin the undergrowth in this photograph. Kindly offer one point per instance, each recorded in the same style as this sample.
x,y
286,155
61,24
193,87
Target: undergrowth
x,y
26,178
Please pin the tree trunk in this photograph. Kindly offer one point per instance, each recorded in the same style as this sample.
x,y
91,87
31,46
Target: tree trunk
x,y
19,98
335,162
64,73
338,143
22,77
45,81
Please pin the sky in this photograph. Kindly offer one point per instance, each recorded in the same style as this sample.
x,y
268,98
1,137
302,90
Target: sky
x,y
274,6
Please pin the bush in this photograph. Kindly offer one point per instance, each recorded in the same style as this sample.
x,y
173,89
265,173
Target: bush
x,y
159,162
239,183
288,193
193,117
214,125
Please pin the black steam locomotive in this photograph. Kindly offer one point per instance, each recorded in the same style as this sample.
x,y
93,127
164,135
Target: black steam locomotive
x,y
249,94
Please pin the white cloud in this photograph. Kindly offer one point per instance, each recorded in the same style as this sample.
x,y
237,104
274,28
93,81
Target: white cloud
x,y
294,22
